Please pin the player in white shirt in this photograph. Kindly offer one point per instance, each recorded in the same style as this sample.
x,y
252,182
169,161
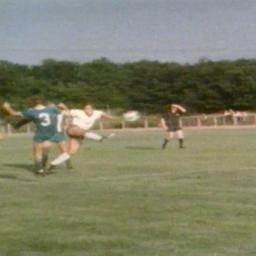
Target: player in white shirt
x,y
85,118
82,120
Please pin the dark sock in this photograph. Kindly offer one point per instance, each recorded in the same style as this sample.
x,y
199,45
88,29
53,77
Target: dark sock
x,y
181,143
44,160
165,143
38,166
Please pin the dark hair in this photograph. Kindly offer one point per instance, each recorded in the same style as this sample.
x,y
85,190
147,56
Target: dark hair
x,y
35,100
168,107
85,103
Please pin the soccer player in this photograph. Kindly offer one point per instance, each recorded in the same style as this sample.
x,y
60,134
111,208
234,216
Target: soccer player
x,y
60,129
46,122
170,121
82,120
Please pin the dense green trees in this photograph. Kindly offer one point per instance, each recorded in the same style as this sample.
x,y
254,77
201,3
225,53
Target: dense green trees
x,y
145,85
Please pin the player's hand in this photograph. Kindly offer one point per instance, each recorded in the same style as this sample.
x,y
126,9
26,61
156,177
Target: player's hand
x,y
6,105
62,106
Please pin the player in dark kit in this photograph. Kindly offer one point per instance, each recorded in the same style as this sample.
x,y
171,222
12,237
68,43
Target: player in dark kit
x,y
170,121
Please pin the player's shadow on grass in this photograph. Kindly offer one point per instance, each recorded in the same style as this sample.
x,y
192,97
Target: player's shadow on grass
x,y
13,177
8,176
27,167
142,148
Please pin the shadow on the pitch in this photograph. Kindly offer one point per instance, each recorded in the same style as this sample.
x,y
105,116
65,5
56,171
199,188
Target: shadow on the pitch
x,y
8,176
27,167
142,148
13,177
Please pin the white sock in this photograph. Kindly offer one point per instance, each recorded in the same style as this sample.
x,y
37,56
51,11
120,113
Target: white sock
x,y
60,159
92,136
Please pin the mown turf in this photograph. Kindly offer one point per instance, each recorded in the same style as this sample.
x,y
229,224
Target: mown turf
x,y
128,197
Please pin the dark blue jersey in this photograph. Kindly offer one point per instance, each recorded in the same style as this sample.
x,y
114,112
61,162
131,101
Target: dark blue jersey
x,y
45,119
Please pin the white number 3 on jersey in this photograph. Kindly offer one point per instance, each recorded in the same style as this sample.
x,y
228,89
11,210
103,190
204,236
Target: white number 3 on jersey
x,y
45,119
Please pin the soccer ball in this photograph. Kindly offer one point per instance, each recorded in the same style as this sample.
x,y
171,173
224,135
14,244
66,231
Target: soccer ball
x,y
131,116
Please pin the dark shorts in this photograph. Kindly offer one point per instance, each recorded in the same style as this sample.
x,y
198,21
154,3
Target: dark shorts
x,y
55,138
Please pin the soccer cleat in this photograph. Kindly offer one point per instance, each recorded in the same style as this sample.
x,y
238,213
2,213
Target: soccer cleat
x,y
50,169
40,172
38,168
111,135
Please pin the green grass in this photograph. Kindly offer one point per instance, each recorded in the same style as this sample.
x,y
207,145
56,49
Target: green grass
x,y
127,197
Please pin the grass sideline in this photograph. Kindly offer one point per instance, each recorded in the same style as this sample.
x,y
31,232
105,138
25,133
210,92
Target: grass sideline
x,y
128,197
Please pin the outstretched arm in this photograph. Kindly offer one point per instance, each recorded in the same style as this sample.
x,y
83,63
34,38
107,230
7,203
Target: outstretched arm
x,y
9,110
107,116
180,108
23,121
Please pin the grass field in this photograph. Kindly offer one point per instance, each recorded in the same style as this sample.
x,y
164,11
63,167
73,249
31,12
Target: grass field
x,y
128,197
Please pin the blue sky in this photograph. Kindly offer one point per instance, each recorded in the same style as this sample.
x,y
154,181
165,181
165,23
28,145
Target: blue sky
x,y
127,30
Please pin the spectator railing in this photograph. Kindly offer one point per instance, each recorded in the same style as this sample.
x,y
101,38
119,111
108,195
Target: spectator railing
x,y
146,122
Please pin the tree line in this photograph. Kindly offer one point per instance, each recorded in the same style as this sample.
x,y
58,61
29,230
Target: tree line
x,y
148,86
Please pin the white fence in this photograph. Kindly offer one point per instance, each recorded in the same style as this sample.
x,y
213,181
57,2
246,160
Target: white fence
x,y
219,121
199,121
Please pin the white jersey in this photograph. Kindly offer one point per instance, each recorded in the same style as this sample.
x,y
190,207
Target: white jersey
x,y
82,120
